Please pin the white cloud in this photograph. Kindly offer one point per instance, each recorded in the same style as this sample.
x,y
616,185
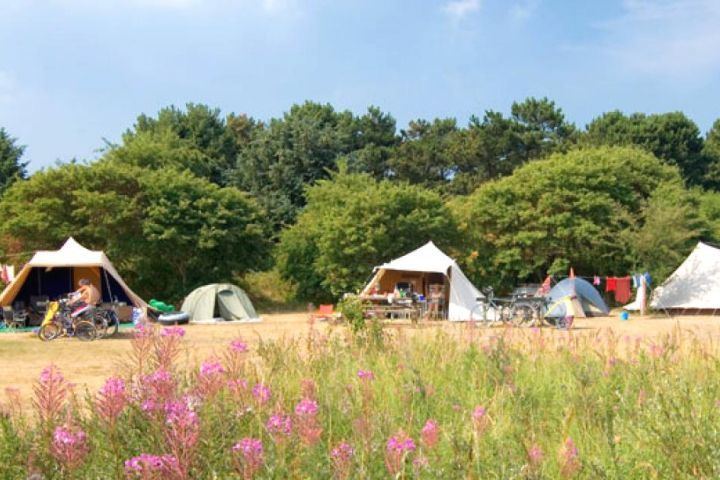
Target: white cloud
x,y
671,38
522,11
459,9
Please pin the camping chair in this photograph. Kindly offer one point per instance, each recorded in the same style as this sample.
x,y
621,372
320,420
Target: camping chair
x,y
14,319
325,312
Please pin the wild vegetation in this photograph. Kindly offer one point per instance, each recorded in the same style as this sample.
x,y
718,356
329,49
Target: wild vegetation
x,y
520,404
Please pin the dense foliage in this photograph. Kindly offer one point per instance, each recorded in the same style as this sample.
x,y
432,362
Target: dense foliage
x,y
352,223
338,193
596,210
167,231
11,168
521,404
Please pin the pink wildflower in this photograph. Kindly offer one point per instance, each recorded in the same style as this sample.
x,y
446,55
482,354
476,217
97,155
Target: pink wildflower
x,y
211,368
262,393
398,447
479,418
569,459
111,400
279,425
238,346
308,388
341,457
151,467
366,375
50,393
308,427
156,389
420,463
306,407
182,433
249,457
172,332
535,454
69,446
430,434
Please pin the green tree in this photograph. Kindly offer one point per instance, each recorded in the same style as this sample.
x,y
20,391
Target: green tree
x,y
11,168
542,127
197,139
352,223
167,231
711,154
574,209
291,152
671,137
669,227
424,156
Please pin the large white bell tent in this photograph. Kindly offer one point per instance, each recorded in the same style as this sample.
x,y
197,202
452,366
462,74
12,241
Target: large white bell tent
x,y
695,285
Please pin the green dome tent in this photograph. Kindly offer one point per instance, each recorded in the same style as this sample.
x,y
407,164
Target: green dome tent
x,y
218,302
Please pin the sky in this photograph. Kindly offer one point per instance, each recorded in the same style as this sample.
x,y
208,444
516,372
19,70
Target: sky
x,y
74,73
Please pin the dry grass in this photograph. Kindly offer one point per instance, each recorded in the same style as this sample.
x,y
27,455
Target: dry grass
x,y
23,355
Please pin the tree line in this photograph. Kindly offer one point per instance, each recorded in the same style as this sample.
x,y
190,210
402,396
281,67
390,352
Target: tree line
x,y
320,196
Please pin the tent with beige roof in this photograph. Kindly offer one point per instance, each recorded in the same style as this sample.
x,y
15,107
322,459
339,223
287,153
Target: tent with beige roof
x,y
50,274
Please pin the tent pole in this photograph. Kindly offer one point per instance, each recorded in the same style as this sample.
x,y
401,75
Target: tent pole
x,y
107,282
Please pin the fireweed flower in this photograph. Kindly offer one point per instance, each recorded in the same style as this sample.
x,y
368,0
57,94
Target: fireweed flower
x,y
341,457
308,388
172,332
535,455
69,446
111,400
262,393
279,425
308,427
211,368
365,375
248,457
238,346
147,466
430,434
50,393
479,418
182,433
396,450
569,458
155,390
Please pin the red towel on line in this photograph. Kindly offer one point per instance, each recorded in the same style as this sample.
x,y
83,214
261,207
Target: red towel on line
x,y
622,289
610,284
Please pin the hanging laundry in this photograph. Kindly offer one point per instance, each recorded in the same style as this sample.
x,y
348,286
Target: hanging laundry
x,y
648,278
622,289
610,283
596,280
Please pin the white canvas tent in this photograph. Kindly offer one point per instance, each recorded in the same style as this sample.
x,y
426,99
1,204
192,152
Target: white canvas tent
x,y
53,273
430,259
694,285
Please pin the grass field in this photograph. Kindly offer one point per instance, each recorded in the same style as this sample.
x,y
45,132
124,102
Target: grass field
x,y
23,355
611,399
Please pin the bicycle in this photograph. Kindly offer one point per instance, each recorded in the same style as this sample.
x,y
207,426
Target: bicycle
x,y
106,321
59,322
487,310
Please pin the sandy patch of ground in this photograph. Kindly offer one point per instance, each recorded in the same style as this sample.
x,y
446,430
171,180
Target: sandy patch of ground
x,y
23,355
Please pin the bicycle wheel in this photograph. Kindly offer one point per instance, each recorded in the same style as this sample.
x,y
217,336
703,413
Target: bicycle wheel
x,y
85,331
114,323
101,325
49,332
521,314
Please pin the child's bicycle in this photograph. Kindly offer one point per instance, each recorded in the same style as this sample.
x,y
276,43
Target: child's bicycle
x,y
59,322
